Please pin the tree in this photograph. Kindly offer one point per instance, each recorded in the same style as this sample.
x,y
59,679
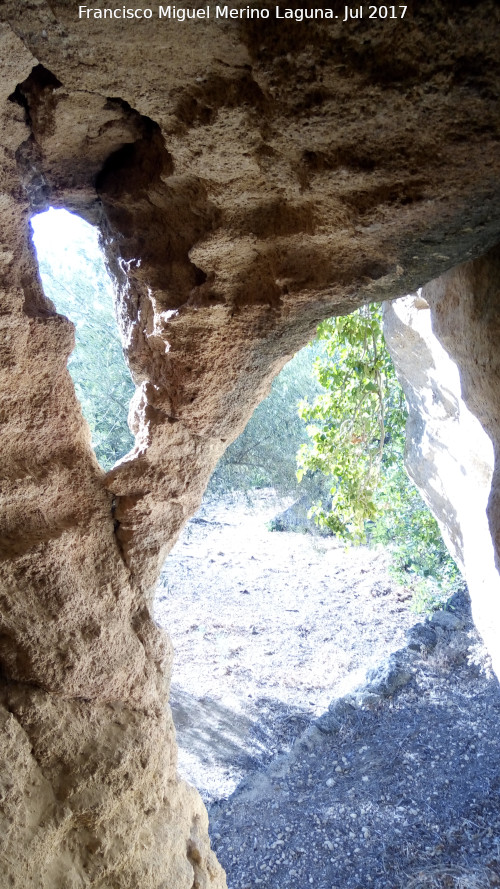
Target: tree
x,y
264,454
356,430
356,424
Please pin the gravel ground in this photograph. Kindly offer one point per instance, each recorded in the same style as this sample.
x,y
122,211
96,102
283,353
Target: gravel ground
x,y
402,792
406,793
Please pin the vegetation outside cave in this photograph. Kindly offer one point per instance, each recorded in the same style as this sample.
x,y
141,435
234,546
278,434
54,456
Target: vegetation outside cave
x,y
342,459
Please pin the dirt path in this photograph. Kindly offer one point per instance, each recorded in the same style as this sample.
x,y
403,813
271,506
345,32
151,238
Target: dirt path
x,y
267,628
398,792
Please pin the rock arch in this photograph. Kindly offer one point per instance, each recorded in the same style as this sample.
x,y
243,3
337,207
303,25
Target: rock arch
x,y
247,183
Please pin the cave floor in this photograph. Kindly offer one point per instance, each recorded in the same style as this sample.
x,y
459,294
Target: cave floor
x,y
267,629
406,794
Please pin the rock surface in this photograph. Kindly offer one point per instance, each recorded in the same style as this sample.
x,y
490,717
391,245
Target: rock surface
x,y
248,180
453,418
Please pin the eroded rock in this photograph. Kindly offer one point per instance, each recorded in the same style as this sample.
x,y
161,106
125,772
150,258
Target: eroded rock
x,y
452,395
247,183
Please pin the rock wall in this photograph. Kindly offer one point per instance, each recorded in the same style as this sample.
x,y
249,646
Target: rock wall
x,y
452,395
249,178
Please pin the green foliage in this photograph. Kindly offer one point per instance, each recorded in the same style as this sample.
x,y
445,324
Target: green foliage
x,y
264,454
74,277
420,559
356,428
355,424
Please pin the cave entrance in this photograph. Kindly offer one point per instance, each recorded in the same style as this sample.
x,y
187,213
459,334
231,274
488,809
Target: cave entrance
x,y
385,788
285,615
76,280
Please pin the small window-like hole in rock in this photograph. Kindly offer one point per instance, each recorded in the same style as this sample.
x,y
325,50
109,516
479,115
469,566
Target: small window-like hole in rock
x,y
75,278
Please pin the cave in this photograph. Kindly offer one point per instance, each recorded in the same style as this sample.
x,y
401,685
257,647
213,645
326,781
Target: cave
x,y
248,178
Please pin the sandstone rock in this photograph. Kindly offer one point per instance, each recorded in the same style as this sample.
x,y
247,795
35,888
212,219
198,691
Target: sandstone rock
x,y
453,422
92,793
247,182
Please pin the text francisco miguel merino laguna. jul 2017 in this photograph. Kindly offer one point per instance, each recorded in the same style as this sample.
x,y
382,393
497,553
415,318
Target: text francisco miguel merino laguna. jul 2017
x,y
217,11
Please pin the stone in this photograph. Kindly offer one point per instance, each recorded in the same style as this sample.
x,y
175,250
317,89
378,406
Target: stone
x,y
246,183
444,350
447,620
295,518
328,723
421,637
389,676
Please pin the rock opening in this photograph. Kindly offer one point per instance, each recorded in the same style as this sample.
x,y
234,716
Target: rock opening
x,y
75,279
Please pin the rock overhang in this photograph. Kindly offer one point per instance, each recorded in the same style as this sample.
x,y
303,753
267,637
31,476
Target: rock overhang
x,y
248,181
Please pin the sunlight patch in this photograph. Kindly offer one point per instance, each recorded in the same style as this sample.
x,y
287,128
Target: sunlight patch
x,y
75,278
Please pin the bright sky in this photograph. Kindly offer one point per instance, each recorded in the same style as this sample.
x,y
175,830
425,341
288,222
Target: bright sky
x,y
59,230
